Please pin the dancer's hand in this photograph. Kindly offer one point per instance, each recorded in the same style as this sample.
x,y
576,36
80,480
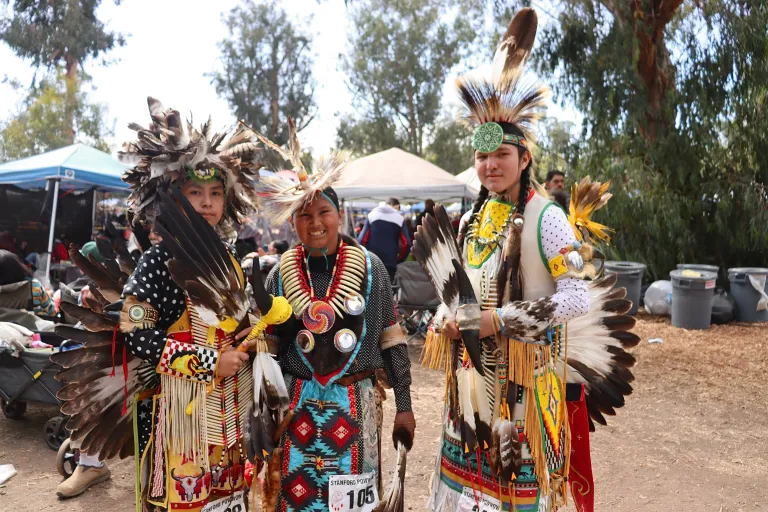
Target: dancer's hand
x,y
451,330
405,428
230,362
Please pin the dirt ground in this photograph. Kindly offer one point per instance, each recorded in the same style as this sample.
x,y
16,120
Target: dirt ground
x,y
693,436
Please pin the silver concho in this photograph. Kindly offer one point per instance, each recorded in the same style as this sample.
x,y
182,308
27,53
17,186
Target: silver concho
x,y
518,221
306,341
354,304
345,341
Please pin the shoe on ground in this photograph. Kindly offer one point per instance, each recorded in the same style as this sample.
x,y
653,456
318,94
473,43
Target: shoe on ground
x,y
81,480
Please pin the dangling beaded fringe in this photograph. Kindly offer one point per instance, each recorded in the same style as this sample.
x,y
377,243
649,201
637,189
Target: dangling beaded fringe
x,y
183,433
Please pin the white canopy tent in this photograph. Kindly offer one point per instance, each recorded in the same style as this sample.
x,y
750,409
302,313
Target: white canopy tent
x,y
397,173
470,179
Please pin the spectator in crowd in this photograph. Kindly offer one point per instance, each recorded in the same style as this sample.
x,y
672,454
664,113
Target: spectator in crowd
x,y
429,209
555,185
23,250
14,275
275,250
60,252
386,235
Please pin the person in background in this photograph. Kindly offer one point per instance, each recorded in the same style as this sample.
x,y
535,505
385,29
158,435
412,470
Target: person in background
x,y
275,250
429,209
555,185
23,250
386,235
13,272
60,250
555,181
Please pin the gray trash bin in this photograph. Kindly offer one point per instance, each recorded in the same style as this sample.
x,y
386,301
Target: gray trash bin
x,y
629,276
698,266
692,299
745,295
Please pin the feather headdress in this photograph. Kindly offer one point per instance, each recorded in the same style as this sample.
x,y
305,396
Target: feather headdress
x,y
171,150
285,196
508,96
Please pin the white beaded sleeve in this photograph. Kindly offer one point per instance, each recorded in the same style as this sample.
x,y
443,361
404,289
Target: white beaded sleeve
x,y
571,297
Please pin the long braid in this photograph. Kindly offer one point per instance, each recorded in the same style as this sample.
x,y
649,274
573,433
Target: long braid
x,y
525,187
481,197
509,284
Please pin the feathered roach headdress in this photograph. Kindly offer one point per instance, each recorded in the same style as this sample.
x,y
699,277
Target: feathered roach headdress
x,y
285,197
173,151
505,107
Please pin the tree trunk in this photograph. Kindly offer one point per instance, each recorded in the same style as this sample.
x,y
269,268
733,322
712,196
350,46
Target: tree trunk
x,y
69,109
653,63
274,91
412,123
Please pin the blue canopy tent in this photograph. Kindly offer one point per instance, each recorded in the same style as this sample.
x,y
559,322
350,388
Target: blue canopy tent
x,y
78,166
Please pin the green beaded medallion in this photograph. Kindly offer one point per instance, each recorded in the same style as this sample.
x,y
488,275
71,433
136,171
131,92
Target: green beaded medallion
x,y
202,175
488,137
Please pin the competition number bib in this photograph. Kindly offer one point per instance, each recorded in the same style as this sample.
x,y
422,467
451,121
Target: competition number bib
x,y
352,493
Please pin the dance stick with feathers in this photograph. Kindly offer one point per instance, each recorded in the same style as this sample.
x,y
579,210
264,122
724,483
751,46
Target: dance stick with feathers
x,y
394,499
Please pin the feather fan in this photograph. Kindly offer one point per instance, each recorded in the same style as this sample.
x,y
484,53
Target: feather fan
x,y
597,350
201,265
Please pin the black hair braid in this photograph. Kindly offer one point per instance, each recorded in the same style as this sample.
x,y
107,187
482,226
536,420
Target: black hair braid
x,y
481,197
525,187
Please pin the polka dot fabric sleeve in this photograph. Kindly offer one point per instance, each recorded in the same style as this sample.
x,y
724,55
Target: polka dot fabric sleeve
x,y
151,283
571,297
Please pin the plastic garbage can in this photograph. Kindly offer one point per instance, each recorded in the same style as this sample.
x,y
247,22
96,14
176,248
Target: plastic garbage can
x,y
692,298
630,276
745,294
698,266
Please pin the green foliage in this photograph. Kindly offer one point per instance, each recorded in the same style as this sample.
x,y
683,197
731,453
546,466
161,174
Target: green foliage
x,y
41,124
451,146
364,137
267,69
674,115
49,33
555,147
401,52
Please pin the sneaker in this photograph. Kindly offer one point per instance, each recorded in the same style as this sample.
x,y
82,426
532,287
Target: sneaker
x,y
81,480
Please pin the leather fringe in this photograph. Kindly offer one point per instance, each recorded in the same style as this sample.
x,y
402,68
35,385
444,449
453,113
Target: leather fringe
x,y
436,353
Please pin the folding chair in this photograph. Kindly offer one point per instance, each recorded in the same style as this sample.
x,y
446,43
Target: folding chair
x,y
415,298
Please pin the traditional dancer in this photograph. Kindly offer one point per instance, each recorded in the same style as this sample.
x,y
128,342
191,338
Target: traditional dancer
x,y
179,398
518,318
343,329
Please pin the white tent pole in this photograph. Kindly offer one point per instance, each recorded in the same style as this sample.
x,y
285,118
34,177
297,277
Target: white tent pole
x,y
93,215
51,230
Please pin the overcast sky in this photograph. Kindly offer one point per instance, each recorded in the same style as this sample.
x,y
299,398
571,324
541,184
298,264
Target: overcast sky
x,y
171,45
